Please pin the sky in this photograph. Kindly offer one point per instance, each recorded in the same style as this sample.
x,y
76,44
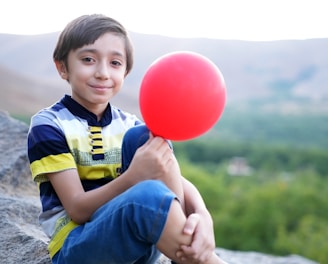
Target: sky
x,y
253,20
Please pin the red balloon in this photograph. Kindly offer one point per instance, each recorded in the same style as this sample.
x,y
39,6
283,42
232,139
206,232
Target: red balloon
x,y
182,95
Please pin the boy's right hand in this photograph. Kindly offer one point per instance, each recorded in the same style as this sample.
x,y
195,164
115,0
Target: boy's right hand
x,y
203,244
154,160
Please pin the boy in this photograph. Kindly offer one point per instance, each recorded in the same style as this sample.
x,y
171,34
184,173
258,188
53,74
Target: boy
x,y
77,151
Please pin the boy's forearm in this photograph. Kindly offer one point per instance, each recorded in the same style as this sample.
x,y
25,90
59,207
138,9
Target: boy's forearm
x,y
194,202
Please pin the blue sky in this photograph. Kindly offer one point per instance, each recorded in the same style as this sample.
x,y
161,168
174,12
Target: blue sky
x,y
223,19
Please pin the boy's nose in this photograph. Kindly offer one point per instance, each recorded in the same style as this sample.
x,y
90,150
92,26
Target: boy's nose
x,y
102,71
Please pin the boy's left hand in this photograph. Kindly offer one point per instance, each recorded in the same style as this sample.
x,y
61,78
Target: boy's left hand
x,y
200,226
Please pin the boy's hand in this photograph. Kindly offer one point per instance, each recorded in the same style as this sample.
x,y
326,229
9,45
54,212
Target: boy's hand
x,y
152,160
202,247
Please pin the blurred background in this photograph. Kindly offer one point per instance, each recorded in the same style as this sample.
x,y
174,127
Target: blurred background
x,y
263,168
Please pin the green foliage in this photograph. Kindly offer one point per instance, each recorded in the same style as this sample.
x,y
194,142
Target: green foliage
x,y
310,238
275,213
255,125
281,207
259,156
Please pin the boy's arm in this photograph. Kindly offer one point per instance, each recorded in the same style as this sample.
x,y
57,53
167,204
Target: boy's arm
x,y
199,223
155,155
194,200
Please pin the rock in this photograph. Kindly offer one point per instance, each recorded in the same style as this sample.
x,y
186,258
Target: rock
x,y
14,169
23,241
237,257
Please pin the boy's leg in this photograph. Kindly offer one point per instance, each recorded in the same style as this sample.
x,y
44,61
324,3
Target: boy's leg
x,y
172,236
134,138
122,231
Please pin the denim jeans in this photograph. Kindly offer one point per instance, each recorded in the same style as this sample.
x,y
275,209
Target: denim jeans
x,y
125,229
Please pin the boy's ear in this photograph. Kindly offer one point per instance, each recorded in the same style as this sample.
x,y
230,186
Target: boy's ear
x,y
61,68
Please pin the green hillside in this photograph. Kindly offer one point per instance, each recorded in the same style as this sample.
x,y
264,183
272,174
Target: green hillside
x,y
297,130
276,202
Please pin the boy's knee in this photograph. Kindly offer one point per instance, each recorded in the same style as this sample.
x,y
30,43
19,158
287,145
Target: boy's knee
x,y
134,138
149,206
150,191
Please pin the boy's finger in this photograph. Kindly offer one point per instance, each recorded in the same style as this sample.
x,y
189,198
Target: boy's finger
x,y
191,224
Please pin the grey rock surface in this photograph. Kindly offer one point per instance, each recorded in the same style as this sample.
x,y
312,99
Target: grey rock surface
x,y
21,238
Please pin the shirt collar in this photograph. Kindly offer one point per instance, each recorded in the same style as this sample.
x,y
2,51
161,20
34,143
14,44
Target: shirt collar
x,y
78,110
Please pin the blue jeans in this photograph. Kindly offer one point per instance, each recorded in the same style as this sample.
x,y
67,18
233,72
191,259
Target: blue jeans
x,y
126,229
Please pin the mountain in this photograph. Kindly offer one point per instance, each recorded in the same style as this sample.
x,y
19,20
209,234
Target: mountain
x,y
25,94
287,76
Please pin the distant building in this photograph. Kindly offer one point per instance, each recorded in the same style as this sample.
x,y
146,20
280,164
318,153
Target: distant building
x,y
238,167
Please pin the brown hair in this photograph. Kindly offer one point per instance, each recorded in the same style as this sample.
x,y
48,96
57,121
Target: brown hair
x,y
85,30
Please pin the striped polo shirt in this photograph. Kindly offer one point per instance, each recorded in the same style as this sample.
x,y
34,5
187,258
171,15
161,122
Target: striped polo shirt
x,y
68,136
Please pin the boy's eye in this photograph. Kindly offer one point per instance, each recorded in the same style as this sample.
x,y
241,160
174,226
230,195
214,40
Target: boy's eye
x,y
116,63
87,59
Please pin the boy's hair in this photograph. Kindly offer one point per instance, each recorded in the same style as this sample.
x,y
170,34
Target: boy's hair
x,y
85,30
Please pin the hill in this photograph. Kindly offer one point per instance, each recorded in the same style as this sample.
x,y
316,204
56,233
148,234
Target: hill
x,y
280,76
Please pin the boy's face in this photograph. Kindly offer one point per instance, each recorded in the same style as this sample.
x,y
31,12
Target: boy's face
x,y
96,71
